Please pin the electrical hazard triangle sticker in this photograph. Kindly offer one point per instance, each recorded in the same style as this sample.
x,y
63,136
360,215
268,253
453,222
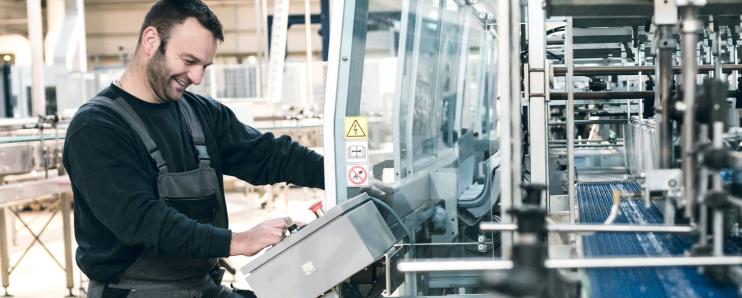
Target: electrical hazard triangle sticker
x,y
356,131
356,128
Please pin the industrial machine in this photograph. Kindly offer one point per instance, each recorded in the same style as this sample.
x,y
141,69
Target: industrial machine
x,y
424,146
553,148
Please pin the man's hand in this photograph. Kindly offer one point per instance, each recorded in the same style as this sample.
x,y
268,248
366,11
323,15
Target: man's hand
x,y
380,191
252,241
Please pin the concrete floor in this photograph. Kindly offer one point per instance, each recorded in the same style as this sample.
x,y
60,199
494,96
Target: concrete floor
x,y
38,275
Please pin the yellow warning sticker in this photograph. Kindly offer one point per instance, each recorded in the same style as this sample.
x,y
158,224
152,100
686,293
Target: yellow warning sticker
x,y
356,128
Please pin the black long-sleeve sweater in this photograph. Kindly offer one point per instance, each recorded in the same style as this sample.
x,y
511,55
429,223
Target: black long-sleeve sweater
x,y
117,209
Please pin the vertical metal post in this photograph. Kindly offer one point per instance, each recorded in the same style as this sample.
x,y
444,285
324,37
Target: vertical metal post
x,y
718,233
569,84
325,27
515,99
343,90
537,116
262,50
264,32
35,36
67,234
82,42
308,38
735,116
277,54
665,46
503,62
4,259
690,27
716,52
703,137
334,183
666,18
717,186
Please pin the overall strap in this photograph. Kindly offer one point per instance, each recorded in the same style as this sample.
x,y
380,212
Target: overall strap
x,y
197,133
120,106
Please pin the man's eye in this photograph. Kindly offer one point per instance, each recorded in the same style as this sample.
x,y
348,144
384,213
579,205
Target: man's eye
x,y
189,62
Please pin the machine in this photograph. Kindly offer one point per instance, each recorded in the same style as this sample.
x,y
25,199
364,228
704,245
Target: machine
x,y
553,148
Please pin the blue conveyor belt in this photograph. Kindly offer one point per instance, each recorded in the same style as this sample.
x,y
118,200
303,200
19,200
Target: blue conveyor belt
x,y
595,199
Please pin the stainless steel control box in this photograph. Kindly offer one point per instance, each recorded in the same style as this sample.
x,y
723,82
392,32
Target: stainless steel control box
x,y
321,255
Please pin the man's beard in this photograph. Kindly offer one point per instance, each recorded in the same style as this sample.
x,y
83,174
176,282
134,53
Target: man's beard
x,y
159,77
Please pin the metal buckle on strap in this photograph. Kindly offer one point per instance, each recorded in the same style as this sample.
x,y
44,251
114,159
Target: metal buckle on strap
x,y
159,160
203,154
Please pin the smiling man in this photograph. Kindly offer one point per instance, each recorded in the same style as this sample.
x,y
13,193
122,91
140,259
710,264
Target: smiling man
x,y
146,159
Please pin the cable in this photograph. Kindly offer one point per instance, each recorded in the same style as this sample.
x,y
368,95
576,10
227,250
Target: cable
x,y
399,221
554,56
554,30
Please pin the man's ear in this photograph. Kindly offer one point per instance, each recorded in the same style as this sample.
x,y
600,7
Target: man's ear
x,y
150,41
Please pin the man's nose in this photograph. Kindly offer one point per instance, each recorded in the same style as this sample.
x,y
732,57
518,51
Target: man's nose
x,y
196,74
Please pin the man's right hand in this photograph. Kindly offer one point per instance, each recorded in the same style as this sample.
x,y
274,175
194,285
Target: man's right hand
x,y
252,241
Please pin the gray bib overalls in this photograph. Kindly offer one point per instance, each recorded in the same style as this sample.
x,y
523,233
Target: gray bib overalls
x,y
195,194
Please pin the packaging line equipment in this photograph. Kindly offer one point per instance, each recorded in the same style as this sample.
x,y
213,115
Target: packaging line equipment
x,y
554,148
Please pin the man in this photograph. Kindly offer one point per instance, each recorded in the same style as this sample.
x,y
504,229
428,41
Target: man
x,y
146,160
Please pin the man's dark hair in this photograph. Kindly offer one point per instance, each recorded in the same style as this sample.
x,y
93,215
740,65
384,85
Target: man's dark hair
x,y
166,14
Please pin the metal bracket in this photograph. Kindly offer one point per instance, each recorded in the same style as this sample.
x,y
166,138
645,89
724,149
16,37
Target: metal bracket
x,y
665,12
669,180
664,179
691,2
391,259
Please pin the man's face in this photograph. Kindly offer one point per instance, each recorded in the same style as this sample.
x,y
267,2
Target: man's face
x,y
190,49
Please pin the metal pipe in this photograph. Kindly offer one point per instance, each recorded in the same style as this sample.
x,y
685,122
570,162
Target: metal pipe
x,y
582,141
633,70
604,95
35,32
643,262
703,137
588,146
613,95
515,96
67,234
591,228
503,63
4,259
718,247
621,228
716,185
537,84
595,121
440,265
454,265
690,27
666,44
570,119
308,41
262,49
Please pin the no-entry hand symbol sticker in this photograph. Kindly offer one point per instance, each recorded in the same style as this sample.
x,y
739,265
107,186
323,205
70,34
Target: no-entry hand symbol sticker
x,y
357,175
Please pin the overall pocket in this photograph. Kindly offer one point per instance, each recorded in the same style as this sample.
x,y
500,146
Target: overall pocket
x,y
201,209
193,193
